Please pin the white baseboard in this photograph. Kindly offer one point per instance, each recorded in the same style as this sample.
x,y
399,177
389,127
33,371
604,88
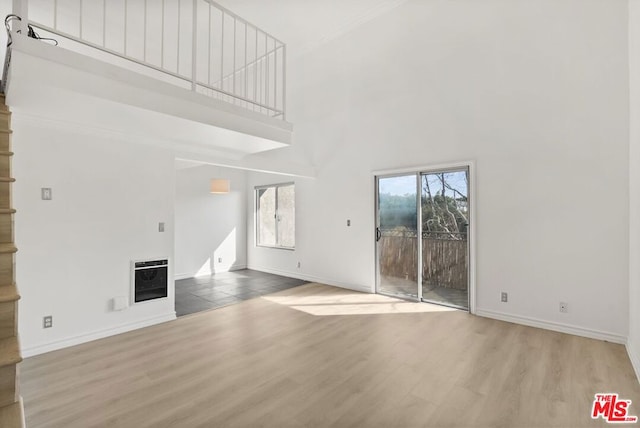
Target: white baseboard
x,y
231,268
554,326
634,356
77,340
311,278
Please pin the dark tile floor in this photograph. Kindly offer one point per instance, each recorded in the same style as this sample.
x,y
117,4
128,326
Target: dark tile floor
x,y
225,288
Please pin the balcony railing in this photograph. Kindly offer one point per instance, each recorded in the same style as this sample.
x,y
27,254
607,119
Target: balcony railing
x,y
197,44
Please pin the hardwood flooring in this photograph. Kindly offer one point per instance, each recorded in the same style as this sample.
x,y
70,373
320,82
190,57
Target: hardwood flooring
x,y
318,356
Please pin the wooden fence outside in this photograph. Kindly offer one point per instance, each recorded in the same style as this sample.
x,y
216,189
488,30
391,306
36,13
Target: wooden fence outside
x,y
444,255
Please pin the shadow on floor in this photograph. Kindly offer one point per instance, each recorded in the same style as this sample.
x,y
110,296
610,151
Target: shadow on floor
x,y
226,288
446,296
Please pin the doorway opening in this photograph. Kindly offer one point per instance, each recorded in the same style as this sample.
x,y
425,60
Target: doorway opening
x,y
422,236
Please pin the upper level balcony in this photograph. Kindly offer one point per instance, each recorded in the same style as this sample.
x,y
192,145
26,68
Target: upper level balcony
x,y
188,73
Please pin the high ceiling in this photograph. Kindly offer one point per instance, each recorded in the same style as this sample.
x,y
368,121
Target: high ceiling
x,y
306,24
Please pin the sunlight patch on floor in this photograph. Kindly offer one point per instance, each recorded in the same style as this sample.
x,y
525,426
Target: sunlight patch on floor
x,y
317,301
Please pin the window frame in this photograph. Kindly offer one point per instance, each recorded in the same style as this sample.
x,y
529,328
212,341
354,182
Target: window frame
x,y
256,191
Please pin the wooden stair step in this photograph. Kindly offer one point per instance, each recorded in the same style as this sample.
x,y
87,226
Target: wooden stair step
x,y
9,351
9,293
6,153
7,211
7,248
7,179
12,416
6,131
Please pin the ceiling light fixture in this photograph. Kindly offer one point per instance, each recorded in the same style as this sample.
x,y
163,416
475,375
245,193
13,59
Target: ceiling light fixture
x,y
220,186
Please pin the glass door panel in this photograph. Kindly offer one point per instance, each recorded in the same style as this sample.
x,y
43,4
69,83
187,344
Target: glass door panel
x,y
397,235
445,243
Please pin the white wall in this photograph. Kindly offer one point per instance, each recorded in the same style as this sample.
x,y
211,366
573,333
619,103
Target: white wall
x,y
210,227
6,8
633,344
75,250
328,250
534,91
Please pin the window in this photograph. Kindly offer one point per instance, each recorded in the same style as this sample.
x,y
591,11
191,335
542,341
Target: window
x,y
276,216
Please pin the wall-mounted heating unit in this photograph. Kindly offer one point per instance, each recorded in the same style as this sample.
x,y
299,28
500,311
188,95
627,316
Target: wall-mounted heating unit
x,y
149,280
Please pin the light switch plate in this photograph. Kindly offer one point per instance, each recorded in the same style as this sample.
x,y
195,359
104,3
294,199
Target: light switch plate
x,y
161,227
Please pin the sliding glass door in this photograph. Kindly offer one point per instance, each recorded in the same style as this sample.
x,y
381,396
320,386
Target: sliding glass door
x,y
432,205
445,243
397,235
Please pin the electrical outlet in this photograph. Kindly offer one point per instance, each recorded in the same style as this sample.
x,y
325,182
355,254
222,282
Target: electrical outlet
x,y
47,322
298,265
46,194
564,307
161,227
504,297
119,303
219,259
348,222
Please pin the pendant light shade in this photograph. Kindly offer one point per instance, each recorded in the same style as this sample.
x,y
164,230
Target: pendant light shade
x,y
219,185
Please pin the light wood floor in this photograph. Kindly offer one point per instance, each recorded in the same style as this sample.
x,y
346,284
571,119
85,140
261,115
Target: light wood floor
x,y
317,356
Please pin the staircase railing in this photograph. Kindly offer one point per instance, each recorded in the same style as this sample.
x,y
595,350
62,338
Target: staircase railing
x,y
196,44
5,70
